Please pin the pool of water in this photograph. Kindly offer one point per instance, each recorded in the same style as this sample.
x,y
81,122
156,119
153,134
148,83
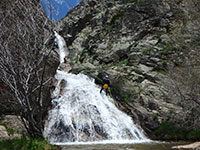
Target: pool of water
x,y
141,146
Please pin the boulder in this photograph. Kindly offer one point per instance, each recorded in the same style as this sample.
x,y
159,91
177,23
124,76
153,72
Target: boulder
x,y
3,133
193,146
14,122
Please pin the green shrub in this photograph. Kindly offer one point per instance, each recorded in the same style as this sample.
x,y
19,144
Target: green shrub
x,y
148,50
123,62
166,48
87,69
10,131
155,115
138,71
27,144
169,131
83,55
195,134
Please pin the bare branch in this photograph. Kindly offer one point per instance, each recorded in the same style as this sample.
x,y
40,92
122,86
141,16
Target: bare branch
x,y
23,60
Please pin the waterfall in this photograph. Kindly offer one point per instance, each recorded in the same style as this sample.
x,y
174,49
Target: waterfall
x,y
63,51
80,113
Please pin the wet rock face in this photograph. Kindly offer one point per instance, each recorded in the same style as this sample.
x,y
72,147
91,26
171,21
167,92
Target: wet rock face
x,y
61,132
133,42
64,132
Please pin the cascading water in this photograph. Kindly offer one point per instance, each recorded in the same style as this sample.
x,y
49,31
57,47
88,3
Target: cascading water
x,y
81,113
63,51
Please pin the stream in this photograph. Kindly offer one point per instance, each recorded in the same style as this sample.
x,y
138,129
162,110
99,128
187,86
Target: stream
x,y
140,146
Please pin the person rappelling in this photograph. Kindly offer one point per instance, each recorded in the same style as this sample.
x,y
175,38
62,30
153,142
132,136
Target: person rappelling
x,y
106,84
65,59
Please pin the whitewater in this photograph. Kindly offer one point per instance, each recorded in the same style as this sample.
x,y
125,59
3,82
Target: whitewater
x,y
82,115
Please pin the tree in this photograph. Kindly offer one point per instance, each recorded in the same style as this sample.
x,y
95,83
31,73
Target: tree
x,y
23,61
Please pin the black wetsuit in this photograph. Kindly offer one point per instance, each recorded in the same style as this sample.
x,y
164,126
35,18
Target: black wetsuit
x,y
105,81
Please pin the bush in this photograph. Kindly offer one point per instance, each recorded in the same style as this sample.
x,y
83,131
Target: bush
x,y
169,131
27,144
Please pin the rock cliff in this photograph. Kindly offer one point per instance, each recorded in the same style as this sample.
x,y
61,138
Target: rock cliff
x,y
149,49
